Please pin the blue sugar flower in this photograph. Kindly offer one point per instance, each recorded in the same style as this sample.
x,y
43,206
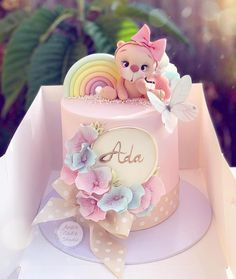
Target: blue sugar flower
x,y
116,199
171,75
138,192
82,160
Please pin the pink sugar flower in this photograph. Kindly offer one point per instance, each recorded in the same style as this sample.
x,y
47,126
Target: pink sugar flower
x,y
154,190
85,134
89,209
157,189
96,181
68,176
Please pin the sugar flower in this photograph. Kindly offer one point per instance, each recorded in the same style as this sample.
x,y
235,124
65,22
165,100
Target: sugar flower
x,y
167,69
138,193
144,203
96,181
154,190
82,160
117,199
89,208
85,134
67,175
156,187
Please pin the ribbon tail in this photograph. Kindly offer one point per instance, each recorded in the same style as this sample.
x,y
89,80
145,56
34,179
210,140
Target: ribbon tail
x,y
67,192
118,224
108,249
56,209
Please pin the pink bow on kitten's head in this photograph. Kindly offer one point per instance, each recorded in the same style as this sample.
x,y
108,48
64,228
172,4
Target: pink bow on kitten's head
x,y
157,48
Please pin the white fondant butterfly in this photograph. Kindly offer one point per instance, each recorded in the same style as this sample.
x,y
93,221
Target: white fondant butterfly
x,y
176,107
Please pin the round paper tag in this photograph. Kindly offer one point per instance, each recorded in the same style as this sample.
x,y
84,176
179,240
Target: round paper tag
x,y
70,234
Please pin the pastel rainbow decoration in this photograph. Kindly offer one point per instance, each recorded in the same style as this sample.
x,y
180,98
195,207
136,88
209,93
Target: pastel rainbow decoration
x,y
88,73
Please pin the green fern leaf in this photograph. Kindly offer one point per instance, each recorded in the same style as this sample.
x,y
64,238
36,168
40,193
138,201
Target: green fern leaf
x,y
117,28
101,41
152,16
10,22
23,42
101,5
74,52
47,65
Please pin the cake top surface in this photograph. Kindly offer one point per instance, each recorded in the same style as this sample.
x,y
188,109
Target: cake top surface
x,y
95,107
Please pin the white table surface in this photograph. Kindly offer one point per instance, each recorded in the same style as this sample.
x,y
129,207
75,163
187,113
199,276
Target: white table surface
x,y
204,260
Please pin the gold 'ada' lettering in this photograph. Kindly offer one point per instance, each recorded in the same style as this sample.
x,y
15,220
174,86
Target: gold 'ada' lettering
x,y
122,157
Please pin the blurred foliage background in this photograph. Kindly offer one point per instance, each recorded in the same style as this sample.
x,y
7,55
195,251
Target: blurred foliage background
x,y
40,40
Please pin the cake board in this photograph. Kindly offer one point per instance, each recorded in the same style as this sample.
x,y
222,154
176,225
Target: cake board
x,y
186,226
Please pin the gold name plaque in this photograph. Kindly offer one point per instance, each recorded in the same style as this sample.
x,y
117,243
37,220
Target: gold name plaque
x,y
131,152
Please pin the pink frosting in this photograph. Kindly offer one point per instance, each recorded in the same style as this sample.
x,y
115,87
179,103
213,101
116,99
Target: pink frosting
x,y
135,113
131,114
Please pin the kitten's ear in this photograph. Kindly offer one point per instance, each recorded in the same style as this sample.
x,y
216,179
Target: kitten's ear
x,y
120,43
160,47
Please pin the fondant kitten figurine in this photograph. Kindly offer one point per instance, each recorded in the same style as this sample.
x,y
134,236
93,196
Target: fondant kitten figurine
x,y
137,61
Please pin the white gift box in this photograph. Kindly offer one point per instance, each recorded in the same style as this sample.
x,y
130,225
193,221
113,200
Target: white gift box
x,y
36,151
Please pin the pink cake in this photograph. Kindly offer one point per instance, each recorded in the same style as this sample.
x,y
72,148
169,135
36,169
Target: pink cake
x,y
139,115
120,136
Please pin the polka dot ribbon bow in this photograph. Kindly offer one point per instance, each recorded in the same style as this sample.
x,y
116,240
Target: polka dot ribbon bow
x,y
104,235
